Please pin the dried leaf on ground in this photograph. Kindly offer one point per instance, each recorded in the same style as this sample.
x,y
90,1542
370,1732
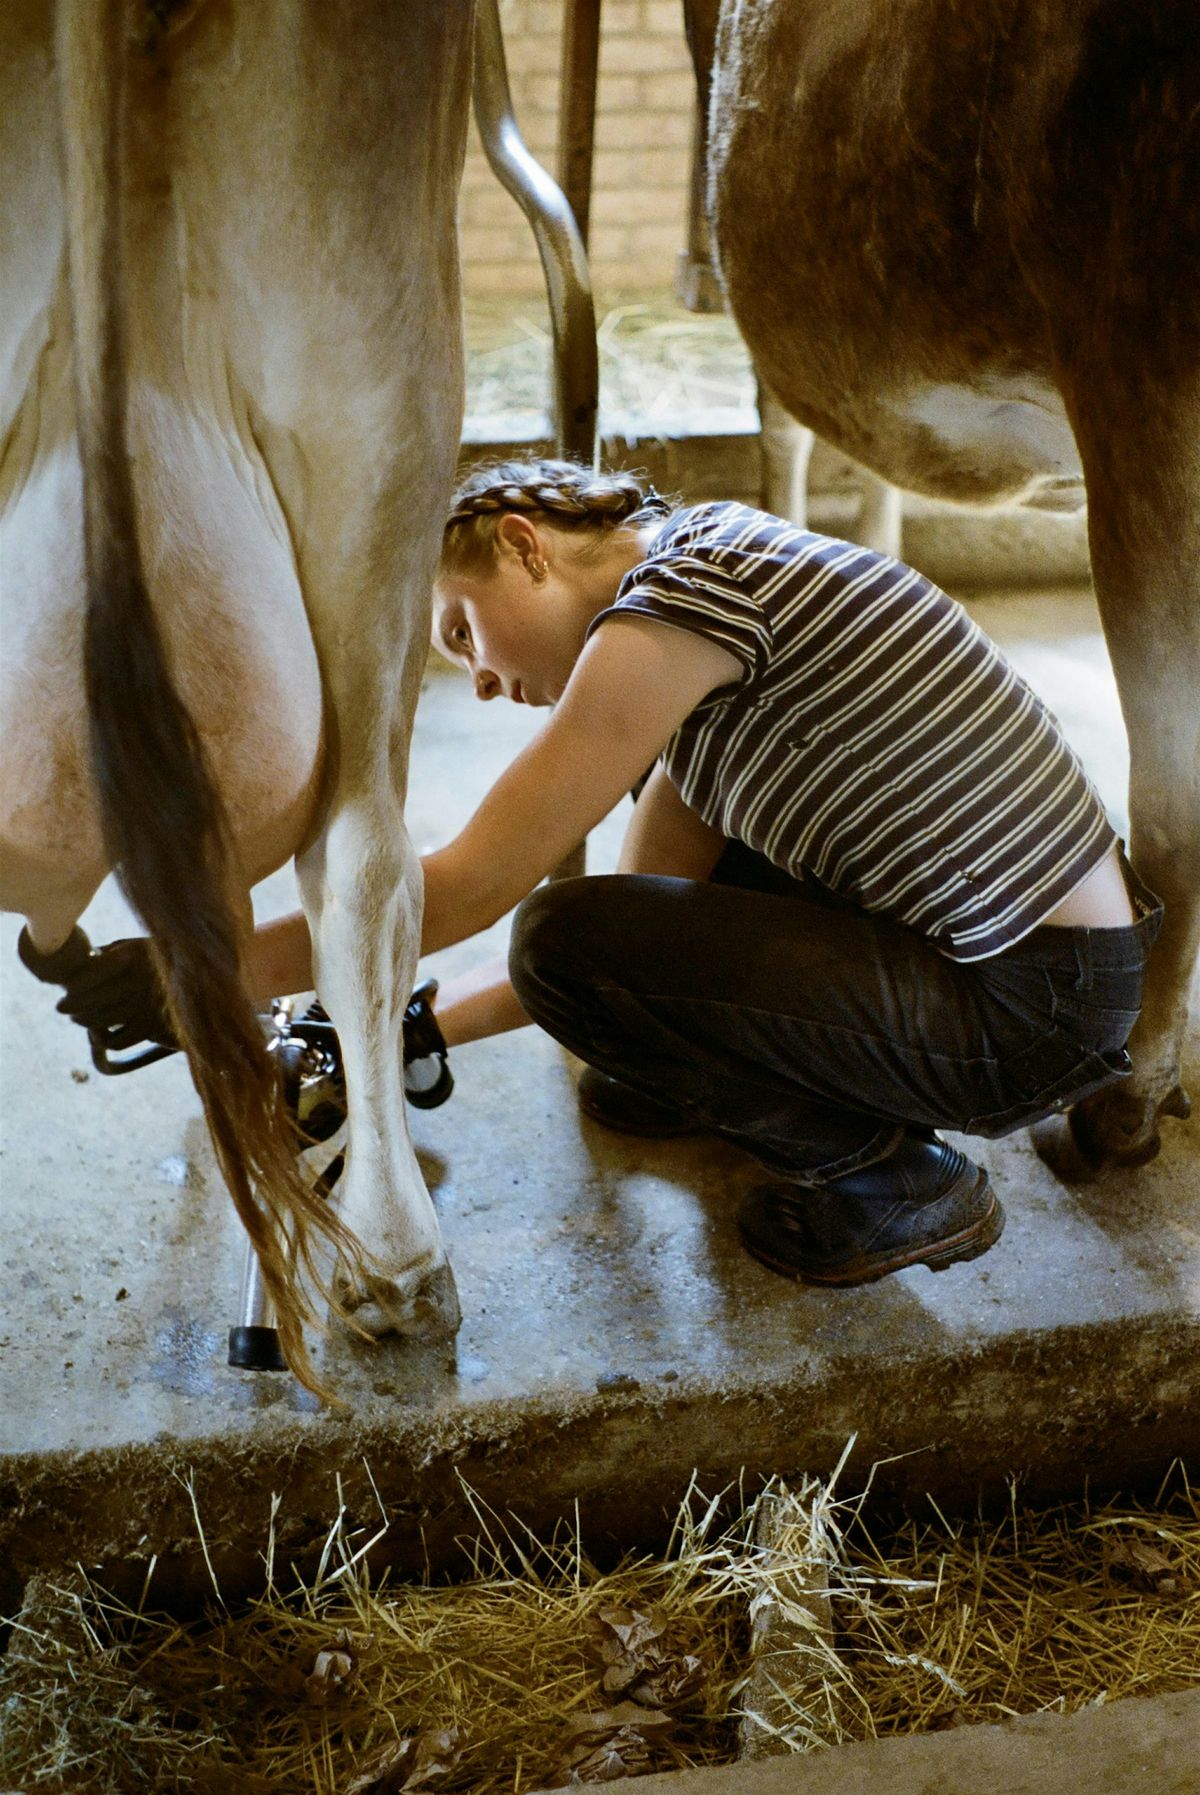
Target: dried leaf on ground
x,y
613,1742
1145,1567
625,1632
415,1764
333,1670
637,1661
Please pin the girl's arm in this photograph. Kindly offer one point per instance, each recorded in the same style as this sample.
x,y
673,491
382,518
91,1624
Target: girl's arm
x,y
666,836
278,958
632,687
478,1003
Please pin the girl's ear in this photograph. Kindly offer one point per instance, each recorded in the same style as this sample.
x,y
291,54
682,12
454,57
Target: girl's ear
x,y
515,535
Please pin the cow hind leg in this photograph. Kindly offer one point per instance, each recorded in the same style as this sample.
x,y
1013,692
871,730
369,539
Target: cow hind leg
x,y
367,577
787,447
1142,462
351,369
362,895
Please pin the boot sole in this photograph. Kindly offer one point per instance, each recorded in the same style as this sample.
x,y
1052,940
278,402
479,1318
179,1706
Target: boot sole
x,y
953,1249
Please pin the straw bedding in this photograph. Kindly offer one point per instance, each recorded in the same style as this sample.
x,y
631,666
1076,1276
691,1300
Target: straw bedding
x,y
657,363
940,1622
540,1668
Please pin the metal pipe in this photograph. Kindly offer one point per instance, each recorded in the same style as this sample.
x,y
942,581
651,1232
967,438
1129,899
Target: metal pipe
x,y
254,1343
564,263
577,107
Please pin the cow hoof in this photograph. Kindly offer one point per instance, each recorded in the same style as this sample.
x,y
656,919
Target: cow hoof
x,y
1056,1145
1176,1103
427,1313
1111,1133
1076,1152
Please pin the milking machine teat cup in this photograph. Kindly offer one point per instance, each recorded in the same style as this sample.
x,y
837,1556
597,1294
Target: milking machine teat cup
x,y
309,1056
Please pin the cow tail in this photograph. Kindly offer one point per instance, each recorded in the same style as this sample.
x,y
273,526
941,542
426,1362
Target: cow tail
x,y
162,817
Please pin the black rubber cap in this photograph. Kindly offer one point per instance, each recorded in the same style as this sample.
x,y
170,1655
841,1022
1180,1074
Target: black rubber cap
x,y
56,968
256,1349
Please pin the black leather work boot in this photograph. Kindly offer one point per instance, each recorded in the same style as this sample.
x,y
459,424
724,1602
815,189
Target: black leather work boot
x,y
618,1106
925,1204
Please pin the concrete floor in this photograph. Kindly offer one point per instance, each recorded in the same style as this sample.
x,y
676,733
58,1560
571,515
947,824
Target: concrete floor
x,y
1135,1747
615,1336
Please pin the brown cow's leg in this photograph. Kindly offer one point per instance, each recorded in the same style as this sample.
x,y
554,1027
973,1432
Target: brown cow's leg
x,y
1110,243
1140,456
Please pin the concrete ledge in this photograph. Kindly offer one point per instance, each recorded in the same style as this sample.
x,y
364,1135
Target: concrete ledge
x,y
1111,1403
1138,1747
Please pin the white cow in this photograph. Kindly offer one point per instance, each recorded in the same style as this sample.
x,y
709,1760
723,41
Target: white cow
x,y
230,362
962,243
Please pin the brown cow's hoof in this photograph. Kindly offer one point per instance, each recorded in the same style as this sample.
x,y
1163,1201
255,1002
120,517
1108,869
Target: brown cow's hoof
x,y
1057,1145
1107,1134
428,1313
1176,1103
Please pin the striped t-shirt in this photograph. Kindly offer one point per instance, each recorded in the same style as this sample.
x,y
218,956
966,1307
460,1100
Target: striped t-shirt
x,y
878,740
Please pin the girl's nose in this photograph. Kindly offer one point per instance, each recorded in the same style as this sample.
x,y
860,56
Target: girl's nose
x,y
486,685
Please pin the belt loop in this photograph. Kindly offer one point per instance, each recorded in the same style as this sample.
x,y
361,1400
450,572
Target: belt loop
x,y
1083,959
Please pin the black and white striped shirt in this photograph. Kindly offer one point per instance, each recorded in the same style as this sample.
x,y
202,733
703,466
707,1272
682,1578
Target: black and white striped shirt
x,y
878,740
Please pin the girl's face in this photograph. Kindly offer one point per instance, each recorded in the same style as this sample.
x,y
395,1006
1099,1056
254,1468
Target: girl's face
x,y
505,628
518,628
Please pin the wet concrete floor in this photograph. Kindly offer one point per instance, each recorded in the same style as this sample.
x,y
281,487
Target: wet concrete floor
x,y
615,1336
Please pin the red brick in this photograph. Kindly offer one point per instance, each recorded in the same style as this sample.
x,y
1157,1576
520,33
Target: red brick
x,y
487,202
644,56
674,91
494,243
505,277
648,130
663,17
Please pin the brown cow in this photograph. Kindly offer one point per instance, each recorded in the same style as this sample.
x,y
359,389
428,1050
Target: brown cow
x,y
230,363
962,242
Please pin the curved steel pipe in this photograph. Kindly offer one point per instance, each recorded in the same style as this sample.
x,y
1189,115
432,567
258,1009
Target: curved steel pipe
x,y
564,263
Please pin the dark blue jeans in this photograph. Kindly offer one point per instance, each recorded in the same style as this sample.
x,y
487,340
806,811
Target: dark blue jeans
x,y
810,1032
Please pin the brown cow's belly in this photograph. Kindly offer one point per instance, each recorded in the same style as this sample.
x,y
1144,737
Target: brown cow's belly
x,y
871,234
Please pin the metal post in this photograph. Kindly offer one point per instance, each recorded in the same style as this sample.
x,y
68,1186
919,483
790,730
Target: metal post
x,y
577,107
568,283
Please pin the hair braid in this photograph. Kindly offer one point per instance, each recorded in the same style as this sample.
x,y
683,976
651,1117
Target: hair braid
x,y
564,493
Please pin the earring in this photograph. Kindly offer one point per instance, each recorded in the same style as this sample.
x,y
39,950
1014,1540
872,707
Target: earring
x,y
538,570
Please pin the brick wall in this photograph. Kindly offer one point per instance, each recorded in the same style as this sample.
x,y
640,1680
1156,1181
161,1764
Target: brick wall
x,y
643,149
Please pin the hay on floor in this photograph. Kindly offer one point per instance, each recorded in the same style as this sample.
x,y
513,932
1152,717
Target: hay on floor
x,y
540,1668
947,1622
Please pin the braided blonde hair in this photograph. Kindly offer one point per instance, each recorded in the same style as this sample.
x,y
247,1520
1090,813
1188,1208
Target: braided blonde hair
x,y
563,494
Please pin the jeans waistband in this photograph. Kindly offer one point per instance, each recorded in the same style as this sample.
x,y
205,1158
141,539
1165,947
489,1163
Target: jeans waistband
x,y
1123,949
